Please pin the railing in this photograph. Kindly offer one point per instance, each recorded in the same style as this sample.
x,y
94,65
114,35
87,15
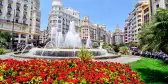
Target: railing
x,y
4,20
17,16
8,14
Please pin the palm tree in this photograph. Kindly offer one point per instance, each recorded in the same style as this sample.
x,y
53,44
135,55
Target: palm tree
x,y
154,35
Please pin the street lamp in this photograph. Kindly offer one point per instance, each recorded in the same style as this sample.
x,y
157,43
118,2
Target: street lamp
x,y
12,39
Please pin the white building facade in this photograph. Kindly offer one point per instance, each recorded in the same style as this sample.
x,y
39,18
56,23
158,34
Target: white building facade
x,y
22,12
59,19
43,36
134,22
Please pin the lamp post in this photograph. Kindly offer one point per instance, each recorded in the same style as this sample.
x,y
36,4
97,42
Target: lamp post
x,y
12,39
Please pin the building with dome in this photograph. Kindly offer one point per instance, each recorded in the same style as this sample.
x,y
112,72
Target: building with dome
x,y
60,17
118,36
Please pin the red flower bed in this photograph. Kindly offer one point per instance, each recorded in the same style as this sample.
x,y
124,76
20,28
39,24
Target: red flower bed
x,y
66,72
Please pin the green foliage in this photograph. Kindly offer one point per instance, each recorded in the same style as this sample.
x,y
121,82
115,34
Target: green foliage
x,y
124,51
121,45
2,51
4,39
105,45
115,47
151,71
133,44
84,53
154,35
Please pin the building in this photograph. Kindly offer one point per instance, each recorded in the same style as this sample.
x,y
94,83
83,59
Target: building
x,y
26,17
146,13
110,37
102,34
118,36
96,32
87,30
139,16
59,19
43,36
154,4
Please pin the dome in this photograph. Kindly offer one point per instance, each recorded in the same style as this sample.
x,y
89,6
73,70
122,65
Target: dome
x,y
56,3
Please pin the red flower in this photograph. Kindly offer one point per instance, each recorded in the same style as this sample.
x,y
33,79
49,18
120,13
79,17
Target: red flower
x,y
45,82
92,72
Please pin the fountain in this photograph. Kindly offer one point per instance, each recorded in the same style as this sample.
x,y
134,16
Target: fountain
x,y
60,47
89,42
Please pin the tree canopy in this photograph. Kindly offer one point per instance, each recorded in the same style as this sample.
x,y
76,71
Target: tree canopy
x,y
154,35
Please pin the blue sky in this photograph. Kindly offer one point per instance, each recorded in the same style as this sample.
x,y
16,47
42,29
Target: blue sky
x,y
109,12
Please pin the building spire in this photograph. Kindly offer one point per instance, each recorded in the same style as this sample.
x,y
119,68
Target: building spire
x,y
117,27
56,3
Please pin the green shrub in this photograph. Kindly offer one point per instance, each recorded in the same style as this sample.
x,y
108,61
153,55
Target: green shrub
x,y
84,53
124,51
2,51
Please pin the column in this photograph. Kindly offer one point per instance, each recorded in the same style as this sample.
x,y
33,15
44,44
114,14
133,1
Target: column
x,y
19,38
27,37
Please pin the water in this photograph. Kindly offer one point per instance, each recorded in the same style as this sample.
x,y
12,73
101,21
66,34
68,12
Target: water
x,y
67,46
72,39
28,45
50,44
89,42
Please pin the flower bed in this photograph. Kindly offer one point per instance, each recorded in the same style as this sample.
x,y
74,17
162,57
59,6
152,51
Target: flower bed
x,y
66,72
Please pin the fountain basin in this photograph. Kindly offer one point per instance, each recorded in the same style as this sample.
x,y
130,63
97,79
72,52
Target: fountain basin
x,y
64,54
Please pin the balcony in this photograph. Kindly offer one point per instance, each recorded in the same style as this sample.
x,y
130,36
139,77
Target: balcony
x,y
24,17
17,16
18,4
9,7
17,10
10,1
25,7
9,14
24,12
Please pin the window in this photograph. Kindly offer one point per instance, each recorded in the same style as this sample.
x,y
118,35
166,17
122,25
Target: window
x,y
59,26
16,20
157,6
59,21
139,24
146,10
139,15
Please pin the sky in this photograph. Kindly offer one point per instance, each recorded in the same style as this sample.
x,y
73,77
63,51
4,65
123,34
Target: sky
x,y
109,12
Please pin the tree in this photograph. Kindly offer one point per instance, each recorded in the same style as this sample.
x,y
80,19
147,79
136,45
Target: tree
x,y
154,35
4,39
133,44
